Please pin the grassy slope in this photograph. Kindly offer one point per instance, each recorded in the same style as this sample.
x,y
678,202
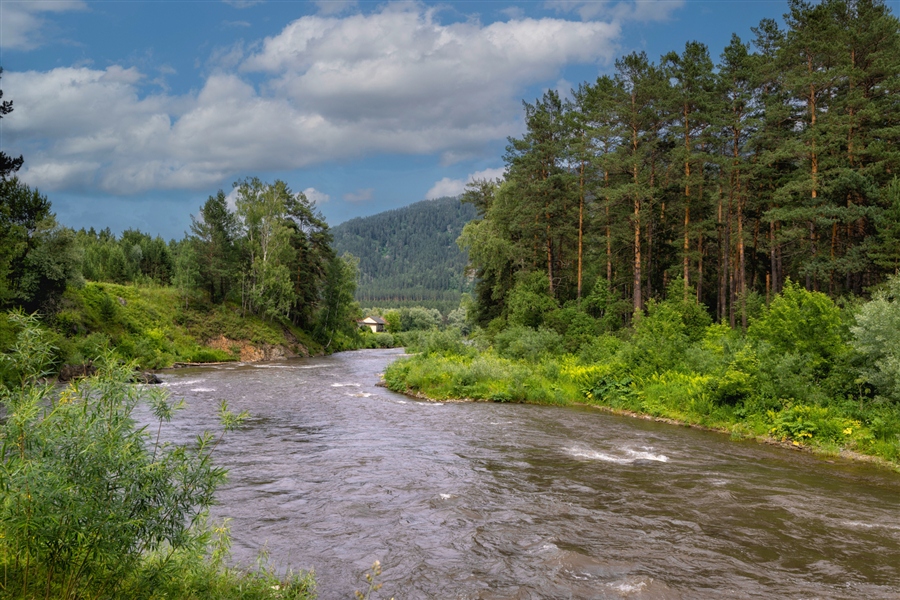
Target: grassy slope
x,y
152,326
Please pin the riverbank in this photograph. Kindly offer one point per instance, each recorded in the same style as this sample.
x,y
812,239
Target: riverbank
x,y
154,327
684,399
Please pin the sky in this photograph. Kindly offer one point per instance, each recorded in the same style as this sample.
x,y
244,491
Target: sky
x,y
131,113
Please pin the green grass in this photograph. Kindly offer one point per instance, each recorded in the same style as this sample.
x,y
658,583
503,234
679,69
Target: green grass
x,y
151,325
704,396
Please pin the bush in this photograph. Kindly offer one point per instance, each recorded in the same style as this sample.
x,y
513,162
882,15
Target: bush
x,y
524,343
803,323
384,340
419,318
530,300
659,341
577,328
876,337
94,505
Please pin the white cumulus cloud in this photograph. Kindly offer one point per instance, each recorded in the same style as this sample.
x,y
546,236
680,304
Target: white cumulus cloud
x,y
315,196
325,88
455,187
22,24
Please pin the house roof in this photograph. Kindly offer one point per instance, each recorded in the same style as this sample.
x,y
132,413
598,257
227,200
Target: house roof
x,y
375,320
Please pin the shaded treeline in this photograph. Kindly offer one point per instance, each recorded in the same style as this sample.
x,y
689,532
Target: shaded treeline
x,y
779,162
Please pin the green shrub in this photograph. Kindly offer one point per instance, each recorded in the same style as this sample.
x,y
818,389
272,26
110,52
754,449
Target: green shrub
x,y
600,349
677,395
210,355
577,327
96,506
449,341
606,305
659,341
384,340
803,323
519,342
876,337
530,300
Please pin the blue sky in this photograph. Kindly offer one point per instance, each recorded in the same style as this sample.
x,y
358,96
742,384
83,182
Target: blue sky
x,y
130,113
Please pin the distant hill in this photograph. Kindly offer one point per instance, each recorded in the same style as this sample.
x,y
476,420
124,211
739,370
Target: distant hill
x,y
409,256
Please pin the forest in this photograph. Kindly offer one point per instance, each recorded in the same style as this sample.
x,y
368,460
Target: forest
x,y
776,162
408,256
708,243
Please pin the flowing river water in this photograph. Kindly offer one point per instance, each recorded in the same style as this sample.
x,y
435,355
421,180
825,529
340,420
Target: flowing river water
x,y
500,501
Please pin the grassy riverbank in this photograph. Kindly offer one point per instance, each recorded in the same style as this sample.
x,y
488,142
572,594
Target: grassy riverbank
x,y
800,375
97,505
155,328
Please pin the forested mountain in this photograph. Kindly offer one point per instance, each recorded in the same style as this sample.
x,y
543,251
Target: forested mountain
x,y
778,161
409,255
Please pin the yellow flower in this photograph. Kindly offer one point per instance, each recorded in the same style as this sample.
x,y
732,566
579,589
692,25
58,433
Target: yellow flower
x,y
848,431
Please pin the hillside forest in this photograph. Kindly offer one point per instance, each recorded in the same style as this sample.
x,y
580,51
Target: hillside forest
x,y
409,257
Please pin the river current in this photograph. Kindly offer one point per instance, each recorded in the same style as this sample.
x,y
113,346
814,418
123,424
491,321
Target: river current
x,y
500,501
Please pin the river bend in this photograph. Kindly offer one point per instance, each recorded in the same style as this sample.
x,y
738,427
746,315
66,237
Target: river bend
x,y
499,501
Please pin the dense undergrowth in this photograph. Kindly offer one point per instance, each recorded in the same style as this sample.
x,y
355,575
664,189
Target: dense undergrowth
x,y
95,505
806,372
151,326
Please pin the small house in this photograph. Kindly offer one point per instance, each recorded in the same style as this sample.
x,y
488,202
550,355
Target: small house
x,y
376,324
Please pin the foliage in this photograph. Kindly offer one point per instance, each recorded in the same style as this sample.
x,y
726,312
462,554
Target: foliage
x,y
419,318
778,381
802,323
338,314
8,164
151,326
876,338
38,258
529,300
724,180
96,505
526,343
134,257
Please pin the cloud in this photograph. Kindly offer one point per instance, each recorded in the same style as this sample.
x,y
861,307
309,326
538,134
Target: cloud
x,y
401,68
21,24
395,81
360,195
618,12
231,198
315,196
455,187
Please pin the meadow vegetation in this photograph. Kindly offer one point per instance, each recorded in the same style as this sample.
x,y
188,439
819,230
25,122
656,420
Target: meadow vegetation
x,y
807,372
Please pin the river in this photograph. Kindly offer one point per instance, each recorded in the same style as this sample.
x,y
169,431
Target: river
x,y
500,501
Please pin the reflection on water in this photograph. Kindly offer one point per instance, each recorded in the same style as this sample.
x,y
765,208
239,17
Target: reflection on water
x,y
499,501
